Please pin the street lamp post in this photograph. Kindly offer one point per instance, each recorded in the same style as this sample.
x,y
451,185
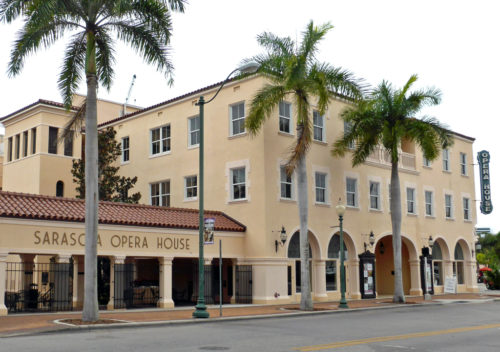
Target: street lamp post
x,y
201,309
340,208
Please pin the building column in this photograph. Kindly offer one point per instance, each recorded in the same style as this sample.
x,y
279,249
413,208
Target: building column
x,y
75,282
165,300
3,280
470,276
354,279
415,285
61,283
448,269
112,276
319,280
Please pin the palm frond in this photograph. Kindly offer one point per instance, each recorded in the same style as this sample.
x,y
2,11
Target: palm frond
x,y
262,105
76,122
12,9
105,58
310,39
72,69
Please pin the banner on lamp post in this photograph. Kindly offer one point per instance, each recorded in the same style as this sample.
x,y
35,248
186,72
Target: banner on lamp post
x,y
209,231
483,158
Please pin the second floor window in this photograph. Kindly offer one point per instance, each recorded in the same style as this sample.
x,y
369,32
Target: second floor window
x,y
320,179
426,162
446,160
53,140
351,190
448,206
194,131
285,184
429,206
25,143
160,140
18,145
237,113
9,150
375,195
191,187
33,140
319,126
463,164
238,184
160,194
410,200
68,144
125,149
466,204
285,110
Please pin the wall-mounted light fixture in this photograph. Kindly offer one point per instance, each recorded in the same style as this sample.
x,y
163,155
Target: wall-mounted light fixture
x,y
381,248
282,240
371,240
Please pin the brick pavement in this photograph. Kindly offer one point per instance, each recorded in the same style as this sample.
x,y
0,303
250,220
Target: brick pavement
x,y
19,324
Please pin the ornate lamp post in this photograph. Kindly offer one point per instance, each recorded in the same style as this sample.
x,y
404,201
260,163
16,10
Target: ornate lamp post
x,y
201,309
340,209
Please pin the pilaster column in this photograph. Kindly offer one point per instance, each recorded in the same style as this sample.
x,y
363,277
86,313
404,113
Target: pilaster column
x,y
319,280
3,279
448,268
470,276
62,298
355,292
415,285
111,302
75,281
165,300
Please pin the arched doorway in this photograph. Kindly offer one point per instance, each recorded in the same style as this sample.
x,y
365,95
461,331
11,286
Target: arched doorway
x,y
294,273
332,265
384,267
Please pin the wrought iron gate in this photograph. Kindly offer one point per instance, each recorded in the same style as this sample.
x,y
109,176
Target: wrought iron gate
x,y
209,287
130,294
243,284
32,287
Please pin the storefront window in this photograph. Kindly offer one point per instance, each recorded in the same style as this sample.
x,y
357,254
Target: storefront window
x,y
437,263
458,265
331,275
294,253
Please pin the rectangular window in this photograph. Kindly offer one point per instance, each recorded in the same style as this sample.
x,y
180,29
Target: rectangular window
x,y
446,160
33,140
463,164
238,184
374,195
410,200
237,113
285,184
447,206
125,149
285,110
331,275
194,131
191,187
9,150
68,144
351,192
160,194
347,129
18,145
160,140
320,179
429,206
426,162
319,126
25,143
53,140
438,272
466,203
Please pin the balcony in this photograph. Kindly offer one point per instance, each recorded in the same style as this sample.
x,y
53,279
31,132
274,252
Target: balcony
x,y
381,157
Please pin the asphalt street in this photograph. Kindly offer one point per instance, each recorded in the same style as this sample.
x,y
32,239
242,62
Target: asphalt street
x,y
452,327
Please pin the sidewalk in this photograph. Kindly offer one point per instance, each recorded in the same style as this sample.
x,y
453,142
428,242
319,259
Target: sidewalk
x,y
28,324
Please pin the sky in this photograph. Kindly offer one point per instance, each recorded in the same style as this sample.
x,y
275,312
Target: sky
x,y
451,45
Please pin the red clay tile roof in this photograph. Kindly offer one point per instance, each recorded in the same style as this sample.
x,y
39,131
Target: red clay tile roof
x,y
37,207
39,102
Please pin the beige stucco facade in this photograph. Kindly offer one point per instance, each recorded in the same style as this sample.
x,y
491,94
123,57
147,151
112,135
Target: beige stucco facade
x,y
263,209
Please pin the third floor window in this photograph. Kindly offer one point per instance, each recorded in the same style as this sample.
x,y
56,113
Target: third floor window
x,y
319,126
160,140
237,112
53,140
285,113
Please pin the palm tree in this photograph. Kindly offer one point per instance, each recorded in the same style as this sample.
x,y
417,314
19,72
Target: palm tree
x,y
387,117
144,25
293,71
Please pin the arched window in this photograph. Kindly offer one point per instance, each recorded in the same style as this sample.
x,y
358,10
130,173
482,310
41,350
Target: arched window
x,y
458,264
60,189
331,264
294,253
334,248
437,263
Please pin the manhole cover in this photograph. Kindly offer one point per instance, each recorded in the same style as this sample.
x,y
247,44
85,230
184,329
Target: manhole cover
x,y
214,348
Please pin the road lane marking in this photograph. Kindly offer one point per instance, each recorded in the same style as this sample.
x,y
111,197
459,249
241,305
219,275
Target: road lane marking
x,y
394,338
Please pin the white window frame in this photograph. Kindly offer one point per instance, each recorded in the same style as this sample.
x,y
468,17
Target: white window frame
x,y
347,129
446,160
161,194
161,140
190,187
284,117
466,208
374,196
319,188
125,149
446,206
431,204
426,162
411,201
193,132
321,127
354,194
286,183
463,164
233,184
231,131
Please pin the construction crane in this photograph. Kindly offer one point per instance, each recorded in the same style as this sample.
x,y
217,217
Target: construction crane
x,y
124,111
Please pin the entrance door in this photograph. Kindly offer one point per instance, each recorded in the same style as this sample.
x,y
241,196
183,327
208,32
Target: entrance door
x,y
243,284
384,267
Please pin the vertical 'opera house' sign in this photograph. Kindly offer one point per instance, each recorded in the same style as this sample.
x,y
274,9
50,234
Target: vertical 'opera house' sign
x,y
484,175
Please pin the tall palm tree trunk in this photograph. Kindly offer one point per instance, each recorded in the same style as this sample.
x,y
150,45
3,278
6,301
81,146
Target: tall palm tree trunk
x,y
305,288
90,304
396,233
